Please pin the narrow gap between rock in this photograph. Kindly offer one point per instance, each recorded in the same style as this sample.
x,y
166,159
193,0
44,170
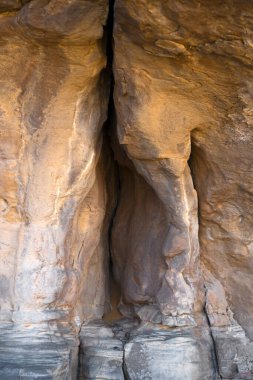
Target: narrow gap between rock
x,y
109,135
112,182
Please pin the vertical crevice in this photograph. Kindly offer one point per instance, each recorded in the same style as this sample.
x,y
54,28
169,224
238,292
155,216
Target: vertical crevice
x,y
124,369
109,136
113,180
108,128
215,353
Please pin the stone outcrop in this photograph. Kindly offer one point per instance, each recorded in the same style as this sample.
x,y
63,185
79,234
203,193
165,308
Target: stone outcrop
x,y
124,350
53,243
184,115
126,180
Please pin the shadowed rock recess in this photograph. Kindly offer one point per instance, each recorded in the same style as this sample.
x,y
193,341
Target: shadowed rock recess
x,y
126,189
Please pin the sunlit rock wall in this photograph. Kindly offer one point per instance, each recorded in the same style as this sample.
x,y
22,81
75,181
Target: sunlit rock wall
x,y
53,103
183,98
126,178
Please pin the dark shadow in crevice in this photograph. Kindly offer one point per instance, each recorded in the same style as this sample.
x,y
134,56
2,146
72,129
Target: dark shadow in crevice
x,y
113,182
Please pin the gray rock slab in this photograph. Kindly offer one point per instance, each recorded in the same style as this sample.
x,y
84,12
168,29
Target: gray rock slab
x,y
33,353
176,354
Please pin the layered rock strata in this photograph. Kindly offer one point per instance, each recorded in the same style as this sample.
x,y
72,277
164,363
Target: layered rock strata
x,y
126,350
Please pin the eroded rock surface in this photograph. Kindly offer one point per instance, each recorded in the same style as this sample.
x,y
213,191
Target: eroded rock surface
x,y
156,138
182,91
157,353
171,216
53,103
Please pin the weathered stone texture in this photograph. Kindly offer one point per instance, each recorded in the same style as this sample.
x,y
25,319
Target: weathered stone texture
x,y
183,98
159,196
53,103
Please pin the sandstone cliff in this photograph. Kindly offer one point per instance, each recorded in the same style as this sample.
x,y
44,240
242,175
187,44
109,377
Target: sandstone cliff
x,y
126,184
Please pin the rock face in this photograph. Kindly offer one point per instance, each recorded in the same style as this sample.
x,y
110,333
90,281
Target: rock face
x,y
159,197
124,350
183,100
53,195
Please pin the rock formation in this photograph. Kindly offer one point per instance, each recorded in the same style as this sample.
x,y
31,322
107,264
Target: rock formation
x,y
54,99
126,180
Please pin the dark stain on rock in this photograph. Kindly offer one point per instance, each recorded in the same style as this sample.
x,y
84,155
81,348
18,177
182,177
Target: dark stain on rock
x,y
42,85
